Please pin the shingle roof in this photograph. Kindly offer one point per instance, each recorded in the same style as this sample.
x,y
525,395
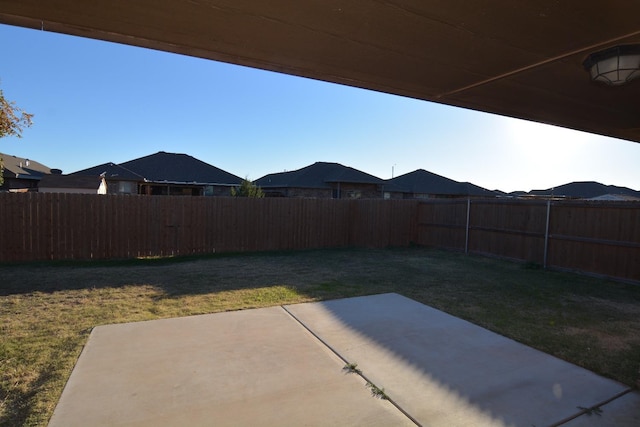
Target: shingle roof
x,y
424,182
166,167
318,175
585,190
19,167
110,171
616,198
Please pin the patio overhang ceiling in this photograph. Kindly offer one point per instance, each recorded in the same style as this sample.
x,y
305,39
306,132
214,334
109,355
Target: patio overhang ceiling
x,y
515,58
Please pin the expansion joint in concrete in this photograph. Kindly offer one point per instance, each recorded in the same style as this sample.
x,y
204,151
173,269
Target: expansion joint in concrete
x,y
347,362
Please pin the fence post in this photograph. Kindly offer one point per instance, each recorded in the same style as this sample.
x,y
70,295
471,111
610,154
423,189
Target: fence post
x,y
546,235
466,237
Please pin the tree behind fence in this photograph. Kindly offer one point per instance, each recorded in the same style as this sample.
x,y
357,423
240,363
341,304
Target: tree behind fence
x,y
594,237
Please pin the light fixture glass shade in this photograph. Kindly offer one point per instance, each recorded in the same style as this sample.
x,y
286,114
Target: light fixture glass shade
x,y
614,66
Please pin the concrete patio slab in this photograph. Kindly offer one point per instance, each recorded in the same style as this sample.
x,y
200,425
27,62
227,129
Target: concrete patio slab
x,y
246,368
445,371
623,411
283,366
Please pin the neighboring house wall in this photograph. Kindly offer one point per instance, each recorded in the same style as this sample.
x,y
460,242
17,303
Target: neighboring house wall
x,y
159,189
393,195
218,190
316,193
341,191
423,196
12,183
68,190
72,184
357,191
121,187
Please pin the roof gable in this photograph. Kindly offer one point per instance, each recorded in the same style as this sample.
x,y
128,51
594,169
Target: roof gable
x,y
164,167
585,189
172,167
111,171
424,182
20,167
318,175
616,198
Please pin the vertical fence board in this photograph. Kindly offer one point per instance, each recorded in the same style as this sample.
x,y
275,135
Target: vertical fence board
x,y
510,229
12,230
45,226
16,229
4,238
596,237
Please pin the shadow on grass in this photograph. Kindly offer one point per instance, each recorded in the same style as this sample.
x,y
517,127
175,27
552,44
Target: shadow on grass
x,y
179,275
22,403
19,402
528,304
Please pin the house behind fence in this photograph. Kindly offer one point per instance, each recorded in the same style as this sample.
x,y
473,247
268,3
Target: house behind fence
x,y
165,174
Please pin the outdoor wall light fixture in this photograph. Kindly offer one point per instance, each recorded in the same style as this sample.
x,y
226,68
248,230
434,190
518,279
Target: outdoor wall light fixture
x,y
614,66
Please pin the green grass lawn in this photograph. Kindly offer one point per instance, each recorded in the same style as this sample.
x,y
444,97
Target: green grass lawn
x,y
48,310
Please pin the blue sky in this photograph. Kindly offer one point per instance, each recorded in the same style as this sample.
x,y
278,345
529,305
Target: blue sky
x,y
97,102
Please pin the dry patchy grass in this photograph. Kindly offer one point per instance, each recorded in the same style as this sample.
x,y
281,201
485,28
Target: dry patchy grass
x,y
48,310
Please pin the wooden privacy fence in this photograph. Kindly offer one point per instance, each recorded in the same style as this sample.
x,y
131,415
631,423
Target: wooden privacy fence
x,y
596,237
601,238
54,226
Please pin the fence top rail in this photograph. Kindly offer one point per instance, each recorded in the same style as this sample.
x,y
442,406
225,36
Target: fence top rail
x,y
631,204
621,204
482,201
